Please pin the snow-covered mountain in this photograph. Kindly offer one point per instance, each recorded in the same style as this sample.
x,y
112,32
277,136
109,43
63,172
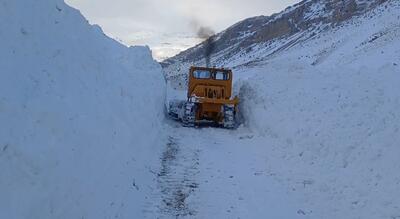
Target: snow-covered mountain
x,y
321,101
74,107
258,38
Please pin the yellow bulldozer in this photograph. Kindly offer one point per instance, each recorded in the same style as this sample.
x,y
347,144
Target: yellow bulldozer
x,y
209,99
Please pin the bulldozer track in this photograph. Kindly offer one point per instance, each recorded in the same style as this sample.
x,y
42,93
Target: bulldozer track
x,y
176,180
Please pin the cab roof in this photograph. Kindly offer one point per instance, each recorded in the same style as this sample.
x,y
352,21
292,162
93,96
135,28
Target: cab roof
x,y
212,69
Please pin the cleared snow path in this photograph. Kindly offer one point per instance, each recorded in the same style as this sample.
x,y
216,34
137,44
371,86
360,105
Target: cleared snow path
x,y
217,173
177,178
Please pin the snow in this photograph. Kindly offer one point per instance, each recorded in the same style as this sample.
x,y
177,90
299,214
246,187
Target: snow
x,y
320,137
221,174
317,10
74,107
83,134
330,105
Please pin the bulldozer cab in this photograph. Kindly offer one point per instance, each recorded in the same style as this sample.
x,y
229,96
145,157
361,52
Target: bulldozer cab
x,y
212,83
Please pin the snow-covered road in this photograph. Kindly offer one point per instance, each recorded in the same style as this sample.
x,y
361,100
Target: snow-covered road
x,y
217,173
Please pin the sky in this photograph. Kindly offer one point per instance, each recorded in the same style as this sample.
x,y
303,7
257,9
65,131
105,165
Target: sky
x,y
170,26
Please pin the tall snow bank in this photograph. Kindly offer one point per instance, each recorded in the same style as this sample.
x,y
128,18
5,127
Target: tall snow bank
x,y
329,110
79,116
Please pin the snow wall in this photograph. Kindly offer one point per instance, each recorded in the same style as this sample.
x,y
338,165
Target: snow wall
x,y
329,109
80,116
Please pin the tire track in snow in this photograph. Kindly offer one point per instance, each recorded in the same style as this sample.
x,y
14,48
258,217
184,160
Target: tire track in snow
x,y
176,180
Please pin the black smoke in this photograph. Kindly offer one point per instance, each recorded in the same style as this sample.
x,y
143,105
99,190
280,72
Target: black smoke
x,y
209,46
207,34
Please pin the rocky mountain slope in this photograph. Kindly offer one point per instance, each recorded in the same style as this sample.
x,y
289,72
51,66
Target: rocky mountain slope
x,y
258,38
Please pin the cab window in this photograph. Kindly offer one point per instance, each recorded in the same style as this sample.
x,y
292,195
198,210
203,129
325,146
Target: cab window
x,y
221,76
199,74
